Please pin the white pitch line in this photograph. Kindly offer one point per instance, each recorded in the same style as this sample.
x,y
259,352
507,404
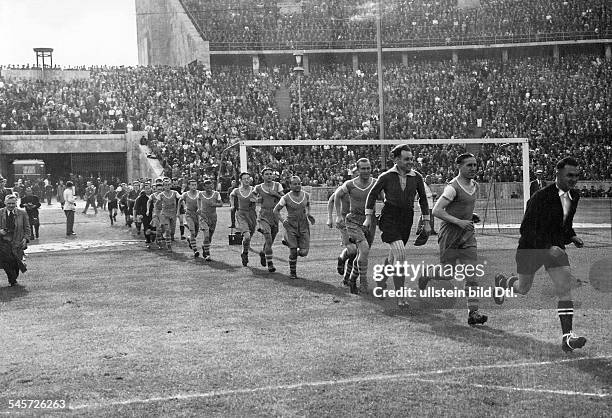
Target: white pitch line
x,y
345,381
517,389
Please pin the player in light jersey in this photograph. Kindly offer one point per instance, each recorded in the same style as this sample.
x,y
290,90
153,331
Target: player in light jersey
x,y
457,236
153,209
180,187
189,202
246,217
168,200
269,192
345,259
208,202
297,229
357,190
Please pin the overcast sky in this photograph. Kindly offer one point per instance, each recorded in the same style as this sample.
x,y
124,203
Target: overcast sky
x,y
81,32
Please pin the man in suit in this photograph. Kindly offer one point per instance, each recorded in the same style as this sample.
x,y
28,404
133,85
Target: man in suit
x,y
14,236
546,229
3,191
537,184
31,203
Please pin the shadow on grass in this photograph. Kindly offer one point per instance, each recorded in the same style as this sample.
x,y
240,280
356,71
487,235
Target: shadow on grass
x,y
182,257
448,326
8,293
306,284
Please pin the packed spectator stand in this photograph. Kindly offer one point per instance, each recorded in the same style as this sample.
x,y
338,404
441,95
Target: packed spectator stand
x,y
191,115
267,24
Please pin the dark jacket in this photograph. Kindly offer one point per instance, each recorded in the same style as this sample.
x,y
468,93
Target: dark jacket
x,y
389,182
35,201
534,186
543,225
140,206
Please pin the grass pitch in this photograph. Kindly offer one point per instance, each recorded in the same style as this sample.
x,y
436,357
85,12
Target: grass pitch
x,y
119,330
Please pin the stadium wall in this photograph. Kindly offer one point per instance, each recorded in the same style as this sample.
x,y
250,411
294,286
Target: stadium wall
x,y
76,153
167,36
148,167
47,74
62,144
120,154
140,161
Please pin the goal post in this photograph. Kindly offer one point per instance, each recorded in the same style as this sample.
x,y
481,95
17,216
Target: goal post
x,y
524,142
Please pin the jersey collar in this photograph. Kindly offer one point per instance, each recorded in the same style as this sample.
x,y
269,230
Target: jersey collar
x,y
395,170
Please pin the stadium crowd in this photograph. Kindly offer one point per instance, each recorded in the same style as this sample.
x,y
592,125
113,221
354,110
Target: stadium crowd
x,y
191,115
267,24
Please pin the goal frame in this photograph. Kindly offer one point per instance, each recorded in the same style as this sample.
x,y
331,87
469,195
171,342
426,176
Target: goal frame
x,y
349,142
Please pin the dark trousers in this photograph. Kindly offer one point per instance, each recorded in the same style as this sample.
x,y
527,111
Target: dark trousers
x,y
146,226
69,221
8,262
91,202
431,220
34,227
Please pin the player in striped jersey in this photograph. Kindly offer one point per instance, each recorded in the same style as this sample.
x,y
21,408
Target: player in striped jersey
x,y
208,202
357,190
189,201
297,229
269,192
400,184
246,217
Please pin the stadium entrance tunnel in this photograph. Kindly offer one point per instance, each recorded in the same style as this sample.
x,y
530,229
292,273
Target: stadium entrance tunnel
x,y
101,164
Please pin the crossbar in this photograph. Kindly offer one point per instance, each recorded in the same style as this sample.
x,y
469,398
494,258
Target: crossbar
x,y
357,142
374,142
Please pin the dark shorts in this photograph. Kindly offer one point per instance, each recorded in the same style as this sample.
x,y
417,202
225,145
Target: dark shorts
x,y
112,204
528,260
357,232
267,223
297,234
246,221
208,226
193,223
456,244
344,237
395,224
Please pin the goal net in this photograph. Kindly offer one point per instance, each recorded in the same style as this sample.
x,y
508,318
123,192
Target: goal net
x,y
323,165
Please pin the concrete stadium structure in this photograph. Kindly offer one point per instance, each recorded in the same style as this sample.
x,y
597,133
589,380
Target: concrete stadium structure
x,y
116,155
168,34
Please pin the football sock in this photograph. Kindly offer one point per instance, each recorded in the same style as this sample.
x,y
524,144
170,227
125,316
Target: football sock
x,y
565,309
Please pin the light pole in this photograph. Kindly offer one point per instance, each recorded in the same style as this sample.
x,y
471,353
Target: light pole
x,y
299,70
381,100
